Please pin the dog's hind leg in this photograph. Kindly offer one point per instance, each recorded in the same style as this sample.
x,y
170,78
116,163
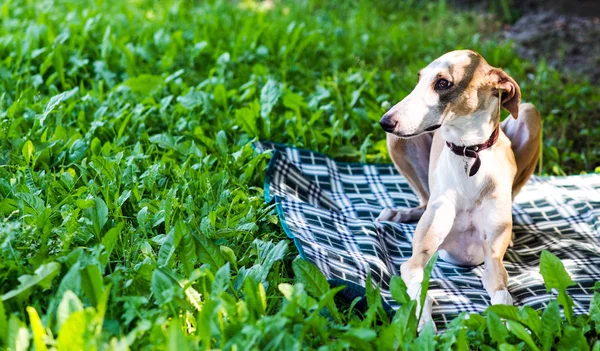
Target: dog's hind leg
x,y
401,215
524,134
411,158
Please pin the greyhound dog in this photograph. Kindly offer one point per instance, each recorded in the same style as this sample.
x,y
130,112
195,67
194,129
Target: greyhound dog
x,y
464,165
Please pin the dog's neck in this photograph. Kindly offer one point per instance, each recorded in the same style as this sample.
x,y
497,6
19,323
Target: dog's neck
x,y
473,129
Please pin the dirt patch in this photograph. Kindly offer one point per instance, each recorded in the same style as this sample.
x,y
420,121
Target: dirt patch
x,y
567,42
564,33
581,8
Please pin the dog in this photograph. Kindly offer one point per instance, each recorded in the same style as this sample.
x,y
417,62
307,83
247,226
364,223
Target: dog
x,y
464,165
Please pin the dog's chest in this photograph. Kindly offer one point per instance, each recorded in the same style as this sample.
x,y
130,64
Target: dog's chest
x,y
452,175
476,198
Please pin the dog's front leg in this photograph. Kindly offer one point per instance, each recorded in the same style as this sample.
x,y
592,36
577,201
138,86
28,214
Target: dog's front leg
x,y
494,277
431,231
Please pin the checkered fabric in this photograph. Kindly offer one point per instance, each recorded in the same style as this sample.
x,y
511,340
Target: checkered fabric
x,y
329,209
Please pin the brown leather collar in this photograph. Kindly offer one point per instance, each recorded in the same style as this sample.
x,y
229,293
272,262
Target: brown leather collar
x,y
473,150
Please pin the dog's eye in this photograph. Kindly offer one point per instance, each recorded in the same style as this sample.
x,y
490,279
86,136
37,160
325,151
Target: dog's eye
x,y
442,84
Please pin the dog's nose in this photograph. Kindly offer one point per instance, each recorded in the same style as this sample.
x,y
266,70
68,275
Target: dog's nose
x,y
387,123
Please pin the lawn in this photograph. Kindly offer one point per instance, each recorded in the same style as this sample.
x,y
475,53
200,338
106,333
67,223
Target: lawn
x,y
131,200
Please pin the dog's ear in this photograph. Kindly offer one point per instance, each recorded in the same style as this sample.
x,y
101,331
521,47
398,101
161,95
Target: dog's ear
x,y
511,92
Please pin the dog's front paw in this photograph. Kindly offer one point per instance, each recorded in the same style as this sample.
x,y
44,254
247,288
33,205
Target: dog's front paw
x,y
423,323
414,292
400,215
426,315
502,297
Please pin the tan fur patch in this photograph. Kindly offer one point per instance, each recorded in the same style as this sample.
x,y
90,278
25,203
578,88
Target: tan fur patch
x,y
489,188
487,191
465,98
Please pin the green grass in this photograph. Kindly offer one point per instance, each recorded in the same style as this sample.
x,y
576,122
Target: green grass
x,y
131,198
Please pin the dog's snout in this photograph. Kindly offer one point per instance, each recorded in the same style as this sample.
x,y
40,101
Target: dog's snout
x,y
387,123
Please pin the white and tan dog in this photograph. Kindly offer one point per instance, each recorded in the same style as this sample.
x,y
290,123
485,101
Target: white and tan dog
x,y
466,173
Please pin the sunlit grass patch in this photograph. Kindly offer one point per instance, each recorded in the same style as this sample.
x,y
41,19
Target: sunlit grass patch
x,y
131,200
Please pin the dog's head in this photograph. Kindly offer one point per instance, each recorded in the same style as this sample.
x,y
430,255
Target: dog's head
x,y
453,91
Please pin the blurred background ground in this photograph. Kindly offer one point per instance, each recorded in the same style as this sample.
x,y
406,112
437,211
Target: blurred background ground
x,y
564,33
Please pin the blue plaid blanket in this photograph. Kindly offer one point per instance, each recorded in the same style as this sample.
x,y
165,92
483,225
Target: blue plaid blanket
x,y
329,208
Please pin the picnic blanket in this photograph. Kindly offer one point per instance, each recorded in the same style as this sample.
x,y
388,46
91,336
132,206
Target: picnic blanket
x,y
329,208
